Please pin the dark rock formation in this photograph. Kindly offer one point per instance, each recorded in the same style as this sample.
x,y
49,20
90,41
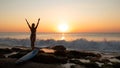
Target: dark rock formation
x,y
105,61
59,48
60,53
75,62
91,65
2,56
18,55
117,57
5,51
116,65
16,49
49,58
87,65
79,54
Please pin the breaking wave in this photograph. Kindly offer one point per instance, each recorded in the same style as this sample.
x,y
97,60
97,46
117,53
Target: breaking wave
x,y
79,44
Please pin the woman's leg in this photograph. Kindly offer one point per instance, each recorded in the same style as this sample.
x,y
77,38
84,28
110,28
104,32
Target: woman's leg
x,y
33,38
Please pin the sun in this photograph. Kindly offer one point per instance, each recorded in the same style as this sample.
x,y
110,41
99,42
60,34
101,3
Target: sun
x,y
63,27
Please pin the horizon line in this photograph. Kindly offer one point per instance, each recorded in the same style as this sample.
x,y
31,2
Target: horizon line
x,y
62,32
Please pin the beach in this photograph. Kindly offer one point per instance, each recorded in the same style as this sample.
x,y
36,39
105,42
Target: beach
x,y
58,57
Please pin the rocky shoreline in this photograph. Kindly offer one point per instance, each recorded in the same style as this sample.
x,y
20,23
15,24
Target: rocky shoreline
x,y
57,57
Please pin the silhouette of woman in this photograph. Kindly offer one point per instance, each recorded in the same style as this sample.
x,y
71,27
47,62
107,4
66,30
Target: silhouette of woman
x,y
33,32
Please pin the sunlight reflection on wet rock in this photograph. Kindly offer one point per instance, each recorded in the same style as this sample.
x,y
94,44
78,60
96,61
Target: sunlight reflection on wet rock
x,y
46,50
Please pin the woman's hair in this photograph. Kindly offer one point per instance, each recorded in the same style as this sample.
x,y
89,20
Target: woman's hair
x,y
33,25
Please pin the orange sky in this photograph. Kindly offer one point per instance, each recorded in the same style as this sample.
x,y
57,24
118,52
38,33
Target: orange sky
x,y
79,15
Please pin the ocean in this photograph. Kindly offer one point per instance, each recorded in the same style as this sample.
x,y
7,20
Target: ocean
x,y
108,42
64,36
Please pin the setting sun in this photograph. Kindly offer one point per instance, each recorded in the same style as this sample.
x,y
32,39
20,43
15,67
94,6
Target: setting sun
x,y
63,27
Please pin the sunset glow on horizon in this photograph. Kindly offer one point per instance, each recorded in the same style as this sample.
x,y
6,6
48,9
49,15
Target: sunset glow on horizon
x,y
60,15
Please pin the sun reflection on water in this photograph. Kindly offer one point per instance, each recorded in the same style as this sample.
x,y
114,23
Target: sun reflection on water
x,y
62,37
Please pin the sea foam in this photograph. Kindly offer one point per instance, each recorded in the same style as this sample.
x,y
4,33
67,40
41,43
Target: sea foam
x,y
79,44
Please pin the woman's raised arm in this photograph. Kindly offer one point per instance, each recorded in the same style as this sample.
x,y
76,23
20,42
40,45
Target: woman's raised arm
x,y
28,23
37,23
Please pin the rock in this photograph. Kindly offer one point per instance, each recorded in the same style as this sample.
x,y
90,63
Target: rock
x,y
18,55
10,63
113,65
87,65
116,65
79,54
2,56
49,59
59,48
94,59
105,61
73,54
60,53
91,65
5,51
75,62
76,66
16,49
117,57
107,66
72,66
41,51
21,52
